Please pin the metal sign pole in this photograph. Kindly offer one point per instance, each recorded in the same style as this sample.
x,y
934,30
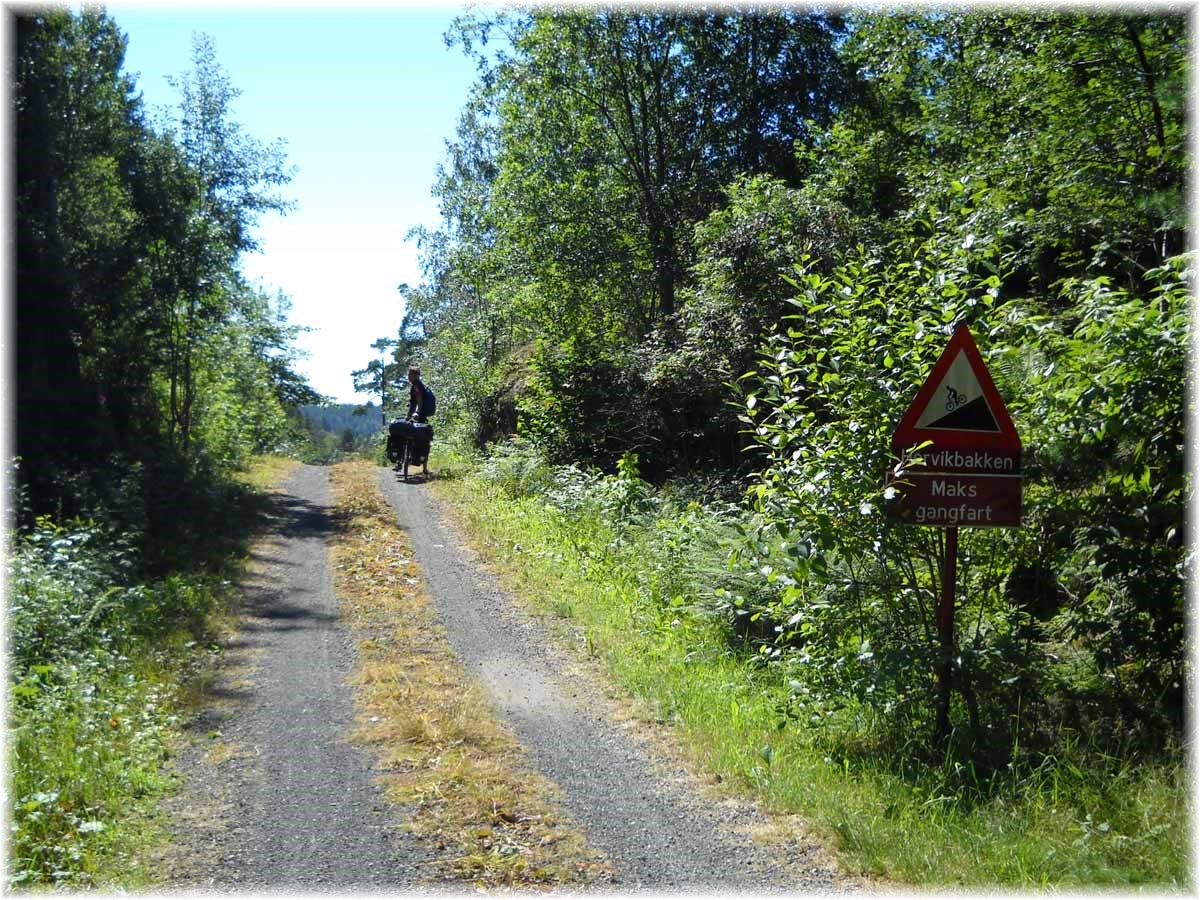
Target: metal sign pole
x,y
946,627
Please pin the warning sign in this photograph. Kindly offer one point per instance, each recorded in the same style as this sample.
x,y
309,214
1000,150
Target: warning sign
x,y
958,406
958,401
971,472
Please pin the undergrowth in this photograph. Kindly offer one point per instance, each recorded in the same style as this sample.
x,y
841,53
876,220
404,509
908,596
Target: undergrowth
x,y
641,573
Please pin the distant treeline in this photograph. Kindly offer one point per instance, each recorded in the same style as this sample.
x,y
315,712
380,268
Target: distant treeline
x,y
361,421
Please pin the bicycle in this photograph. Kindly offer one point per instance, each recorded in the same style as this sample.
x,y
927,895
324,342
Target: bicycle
x,y
402,448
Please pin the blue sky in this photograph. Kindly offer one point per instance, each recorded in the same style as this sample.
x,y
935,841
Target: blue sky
x,y
365,98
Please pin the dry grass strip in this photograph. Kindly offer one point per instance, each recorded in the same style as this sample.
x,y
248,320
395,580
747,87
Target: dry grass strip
x,y
492,820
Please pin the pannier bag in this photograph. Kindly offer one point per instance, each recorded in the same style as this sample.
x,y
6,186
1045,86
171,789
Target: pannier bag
x,y
420,432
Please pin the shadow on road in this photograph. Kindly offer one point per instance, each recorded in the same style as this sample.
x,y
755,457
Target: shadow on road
x,y
278,603
274,598
265,608
292,516
413,477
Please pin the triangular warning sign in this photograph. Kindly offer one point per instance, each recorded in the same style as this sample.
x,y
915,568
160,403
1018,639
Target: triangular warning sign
x,y
958,401
958,406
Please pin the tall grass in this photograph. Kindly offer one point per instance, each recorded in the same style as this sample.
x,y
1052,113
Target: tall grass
x,y
640,575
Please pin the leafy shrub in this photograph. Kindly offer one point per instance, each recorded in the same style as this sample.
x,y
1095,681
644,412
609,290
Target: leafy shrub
x,y
576,402
851,600
1101,398
89,716
64,591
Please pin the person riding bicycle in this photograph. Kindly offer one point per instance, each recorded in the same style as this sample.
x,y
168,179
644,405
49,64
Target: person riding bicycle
x,y
417,394
421,405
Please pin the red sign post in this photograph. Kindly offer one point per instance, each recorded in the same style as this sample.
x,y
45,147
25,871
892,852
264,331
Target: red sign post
x,y
969,475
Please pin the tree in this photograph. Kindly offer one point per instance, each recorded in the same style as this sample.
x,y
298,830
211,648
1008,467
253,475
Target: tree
x,y
593,143
738,299
233,179
75,121
1073,120
646,115
144,360
375,378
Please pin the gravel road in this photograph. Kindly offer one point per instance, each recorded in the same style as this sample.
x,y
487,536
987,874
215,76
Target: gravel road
x,y
633,803
277,798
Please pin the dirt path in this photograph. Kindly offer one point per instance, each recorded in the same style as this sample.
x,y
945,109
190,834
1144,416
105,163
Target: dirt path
x,y
276,797
633,803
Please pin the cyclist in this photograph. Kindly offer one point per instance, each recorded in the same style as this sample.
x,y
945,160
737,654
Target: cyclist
x,y
420,407
416,396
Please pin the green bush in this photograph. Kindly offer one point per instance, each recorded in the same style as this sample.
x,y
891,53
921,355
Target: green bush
x,y
1061,624
91,707
1101,396
576,405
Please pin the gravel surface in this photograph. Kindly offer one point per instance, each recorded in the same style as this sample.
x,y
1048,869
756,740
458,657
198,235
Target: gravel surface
x,y
633,802
276,797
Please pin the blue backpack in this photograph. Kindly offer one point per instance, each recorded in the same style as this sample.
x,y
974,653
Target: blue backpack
x,y
430,401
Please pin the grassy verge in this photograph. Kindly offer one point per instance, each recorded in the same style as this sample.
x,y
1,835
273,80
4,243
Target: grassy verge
x,y
1069,824
101,667
447,759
